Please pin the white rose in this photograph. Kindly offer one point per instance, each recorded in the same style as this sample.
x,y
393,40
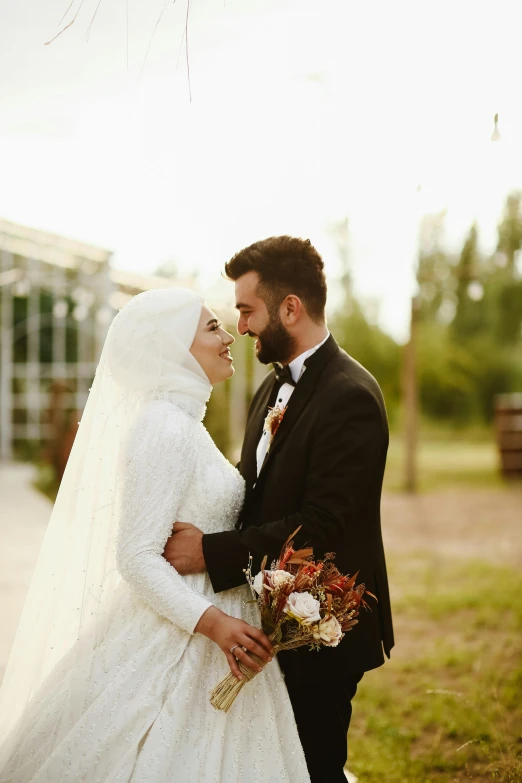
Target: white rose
x,y
258,582
279,577
273,579
328,631
304,607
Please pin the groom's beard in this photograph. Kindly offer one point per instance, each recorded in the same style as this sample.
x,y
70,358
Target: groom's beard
x,y
275,343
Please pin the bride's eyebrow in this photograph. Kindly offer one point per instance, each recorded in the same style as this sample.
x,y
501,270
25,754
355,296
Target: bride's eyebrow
x,y
212,321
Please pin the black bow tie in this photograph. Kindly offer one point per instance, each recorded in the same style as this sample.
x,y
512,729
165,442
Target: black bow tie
x,y
283,374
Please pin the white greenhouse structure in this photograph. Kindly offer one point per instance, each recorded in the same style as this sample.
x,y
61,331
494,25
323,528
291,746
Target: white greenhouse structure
x,y
57,299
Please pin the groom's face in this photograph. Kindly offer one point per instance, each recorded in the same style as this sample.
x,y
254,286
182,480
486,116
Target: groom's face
x,y
273,341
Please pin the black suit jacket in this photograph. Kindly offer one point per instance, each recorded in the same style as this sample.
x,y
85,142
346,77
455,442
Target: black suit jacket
x,y
324,471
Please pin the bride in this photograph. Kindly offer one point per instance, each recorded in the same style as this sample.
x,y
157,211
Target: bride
x,y
115,654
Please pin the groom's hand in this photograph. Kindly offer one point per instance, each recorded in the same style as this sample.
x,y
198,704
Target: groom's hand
x,y
184,550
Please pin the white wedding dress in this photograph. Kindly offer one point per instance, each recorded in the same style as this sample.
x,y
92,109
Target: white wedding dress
x,y
148,718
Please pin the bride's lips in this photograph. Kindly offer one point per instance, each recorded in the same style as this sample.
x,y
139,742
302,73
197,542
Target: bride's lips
x,y
227,356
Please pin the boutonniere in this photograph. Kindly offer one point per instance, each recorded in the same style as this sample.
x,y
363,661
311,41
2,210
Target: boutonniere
x,y
273,421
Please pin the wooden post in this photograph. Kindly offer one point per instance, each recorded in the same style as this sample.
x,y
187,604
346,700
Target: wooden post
x,y
410,403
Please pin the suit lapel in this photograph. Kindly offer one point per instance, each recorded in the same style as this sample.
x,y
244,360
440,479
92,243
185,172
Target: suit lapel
x,y
254,430
300,397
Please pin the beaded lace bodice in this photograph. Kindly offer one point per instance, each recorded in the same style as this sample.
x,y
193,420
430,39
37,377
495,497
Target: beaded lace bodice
x,y
173,472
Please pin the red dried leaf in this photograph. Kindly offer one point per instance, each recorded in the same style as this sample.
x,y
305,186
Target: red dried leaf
x,y
290,537
351,580
304,552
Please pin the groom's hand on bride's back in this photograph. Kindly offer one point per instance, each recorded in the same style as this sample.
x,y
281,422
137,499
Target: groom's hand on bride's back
x,y
184,550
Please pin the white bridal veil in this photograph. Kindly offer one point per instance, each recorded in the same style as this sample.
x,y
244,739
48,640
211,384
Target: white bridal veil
x,y
146,354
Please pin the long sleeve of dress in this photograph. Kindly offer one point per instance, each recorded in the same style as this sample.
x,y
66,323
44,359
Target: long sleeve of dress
x,y
158,464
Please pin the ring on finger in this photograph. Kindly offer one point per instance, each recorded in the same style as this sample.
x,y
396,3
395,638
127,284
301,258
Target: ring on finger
x,y
234,647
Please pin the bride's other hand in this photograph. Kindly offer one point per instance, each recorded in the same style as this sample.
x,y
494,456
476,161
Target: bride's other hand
x,y
228,632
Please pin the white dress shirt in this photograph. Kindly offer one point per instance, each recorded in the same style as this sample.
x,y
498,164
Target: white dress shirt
x,y
297,369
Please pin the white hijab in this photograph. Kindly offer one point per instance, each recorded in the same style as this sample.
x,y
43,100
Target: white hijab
x,y
149,341
146,353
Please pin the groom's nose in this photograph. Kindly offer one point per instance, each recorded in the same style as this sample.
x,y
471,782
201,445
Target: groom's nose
x,y
242,325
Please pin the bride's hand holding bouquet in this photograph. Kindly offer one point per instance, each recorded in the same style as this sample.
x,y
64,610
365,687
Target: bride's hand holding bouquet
x,y
251,646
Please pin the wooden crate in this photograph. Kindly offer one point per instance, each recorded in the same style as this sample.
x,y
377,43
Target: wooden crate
x,y
508,426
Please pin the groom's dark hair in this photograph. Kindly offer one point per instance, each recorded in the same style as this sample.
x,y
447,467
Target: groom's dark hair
x,y
285,265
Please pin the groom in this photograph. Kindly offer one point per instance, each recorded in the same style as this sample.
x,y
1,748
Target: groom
x,y
323,472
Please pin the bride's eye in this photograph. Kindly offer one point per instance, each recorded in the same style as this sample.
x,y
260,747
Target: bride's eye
x,y
215,327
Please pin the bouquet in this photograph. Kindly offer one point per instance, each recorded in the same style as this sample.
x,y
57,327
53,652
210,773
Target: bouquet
x,y
302,602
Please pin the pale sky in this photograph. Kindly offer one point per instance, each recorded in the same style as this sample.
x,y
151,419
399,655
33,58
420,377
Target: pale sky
x,y
302,113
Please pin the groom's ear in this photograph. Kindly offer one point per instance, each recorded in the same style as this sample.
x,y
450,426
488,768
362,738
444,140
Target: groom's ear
x,y
291,309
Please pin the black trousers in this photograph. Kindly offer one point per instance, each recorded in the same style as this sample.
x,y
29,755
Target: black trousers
x,y
322,713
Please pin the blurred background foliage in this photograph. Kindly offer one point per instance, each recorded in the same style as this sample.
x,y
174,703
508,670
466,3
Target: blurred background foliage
x,y
470,325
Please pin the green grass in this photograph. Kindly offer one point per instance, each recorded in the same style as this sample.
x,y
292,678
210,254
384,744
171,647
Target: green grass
x,y
451,460
46,480
448,707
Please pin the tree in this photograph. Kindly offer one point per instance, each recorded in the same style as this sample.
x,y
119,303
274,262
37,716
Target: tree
x,y
435,272
510,230
506,284
363,340
469,315
447,375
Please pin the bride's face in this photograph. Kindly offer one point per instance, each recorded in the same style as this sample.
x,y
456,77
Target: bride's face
x,y
211,347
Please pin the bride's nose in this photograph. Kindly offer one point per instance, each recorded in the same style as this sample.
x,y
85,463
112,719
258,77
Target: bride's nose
x,y
228,339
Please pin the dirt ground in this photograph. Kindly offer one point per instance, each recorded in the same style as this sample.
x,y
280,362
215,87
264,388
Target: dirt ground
x,y
482,524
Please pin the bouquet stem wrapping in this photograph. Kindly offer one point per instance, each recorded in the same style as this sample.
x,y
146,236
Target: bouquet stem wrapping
x,y
224,694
